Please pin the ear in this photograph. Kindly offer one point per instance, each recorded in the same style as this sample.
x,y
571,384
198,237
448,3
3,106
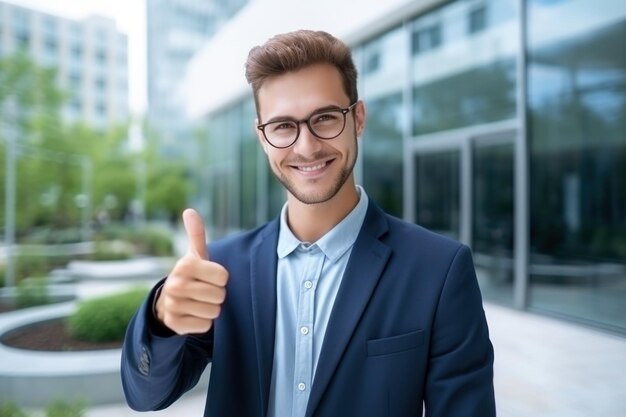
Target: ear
x,y
360,117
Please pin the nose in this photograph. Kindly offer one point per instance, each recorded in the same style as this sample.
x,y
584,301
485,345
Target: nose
x,y
307,143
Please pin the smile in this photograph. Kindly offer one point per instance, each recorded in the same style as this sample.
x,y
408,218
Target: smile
x,y
313,168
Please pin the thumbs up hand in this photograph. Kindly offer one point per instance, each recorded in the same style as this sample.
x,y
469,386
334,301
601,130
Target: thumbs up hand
x,y
194,291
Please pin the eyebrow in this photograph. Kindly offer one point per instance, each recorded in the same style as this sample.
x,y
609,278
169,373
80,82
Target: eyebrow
x,y
318,110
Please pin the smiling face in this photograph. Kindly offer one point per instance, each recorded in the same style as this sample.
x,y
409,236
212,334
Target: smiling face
x,y
313,170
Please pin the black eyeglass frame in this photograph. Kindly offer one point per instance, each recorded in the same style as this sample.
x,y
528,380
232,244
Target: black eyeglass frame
x,y
343,111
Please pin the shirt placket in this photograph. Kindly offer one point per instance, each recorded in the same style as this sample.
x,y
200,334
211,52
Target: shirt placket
x,y
304,330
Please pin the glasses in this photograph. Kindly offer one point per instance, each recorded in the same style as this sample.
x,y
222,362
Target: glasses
x,y
323,124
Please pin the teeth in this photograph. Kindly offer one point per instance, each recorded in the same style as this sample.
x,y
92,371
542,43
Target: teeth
x,y
313,168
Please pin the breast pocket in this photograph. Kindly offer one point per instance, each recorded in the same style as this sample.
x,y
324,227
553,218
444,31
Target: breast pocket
x,y
395,344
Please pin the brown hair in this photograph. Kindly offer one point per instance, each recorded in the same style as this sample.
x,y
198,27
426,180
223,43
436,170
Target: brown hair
x,y
296,50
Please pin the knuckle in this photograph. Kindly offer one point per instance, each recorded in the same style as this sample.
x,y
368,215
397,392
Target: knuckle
x,y
184,266
173,284
214,311
221,276
206,326
171,322
220,295
171,304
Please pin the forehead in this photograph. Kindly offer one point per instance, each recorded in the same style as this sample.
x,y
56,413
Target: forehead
x,y
297,93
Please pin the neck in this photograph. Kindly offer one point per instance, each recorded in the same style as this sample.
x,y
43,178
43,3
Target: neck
x,y
309,222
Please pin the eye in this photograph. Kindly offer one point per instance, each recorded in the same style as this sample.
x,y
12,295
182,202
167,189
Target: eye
x,y
322,118
286,125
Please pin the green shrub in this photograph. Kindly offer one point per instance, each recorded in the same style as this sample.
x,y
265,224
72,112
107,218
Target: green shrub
x,y
57,408
112,251
105,319
62,408
112,231
32,292
31,266
50,236
156,242
11,409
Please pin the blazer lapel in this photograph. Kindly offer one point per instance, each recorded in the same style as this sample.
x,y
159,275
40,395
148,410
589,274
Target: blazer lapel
x,y
263,265
367,262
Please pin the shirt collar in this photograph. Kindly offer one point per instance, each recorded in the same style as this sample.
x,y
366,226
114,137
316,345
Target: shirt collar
x,y
336,241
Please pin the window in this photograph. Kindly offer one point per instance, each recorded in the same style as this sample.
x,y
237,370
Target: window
x,y
76,104
50,49
100,84
477,20
50,27
101,109
21,19
77,52
75,80
101,57
371,62
22,40
101,37
51,45
382,142
476,82
578,161
426,38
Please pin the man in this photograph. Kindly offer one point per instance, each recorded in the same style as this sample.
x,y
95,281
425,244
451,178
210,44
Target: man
x,y
332,309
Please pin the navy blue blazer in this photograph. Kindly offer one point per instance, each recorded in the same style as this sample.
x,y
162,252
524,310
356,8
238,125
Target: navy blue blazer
x,y
407,330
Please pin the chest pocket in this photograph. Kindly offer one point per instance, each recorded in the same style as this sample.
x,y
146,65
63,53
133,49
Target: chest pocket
x,y
395,344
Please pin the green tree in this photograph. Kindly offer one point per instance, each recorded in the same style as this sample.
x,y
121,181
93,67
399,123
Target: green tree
x,y
58,161
37,103
169,181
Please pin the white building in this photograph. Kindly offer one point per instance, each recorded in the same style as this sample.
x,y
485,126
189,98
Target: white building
x,y
90,55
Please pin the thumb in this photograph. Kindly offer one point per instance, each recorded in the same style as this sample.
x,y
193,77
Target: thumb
x,y
194,227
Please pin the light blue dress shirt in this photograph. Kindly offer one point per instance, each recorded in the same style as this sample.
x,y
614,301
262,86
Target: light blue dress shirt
x,y
308,278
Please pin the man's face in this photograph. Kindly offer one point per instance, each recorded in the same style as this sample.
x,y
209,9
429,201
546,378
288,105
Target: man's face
x,y
313,170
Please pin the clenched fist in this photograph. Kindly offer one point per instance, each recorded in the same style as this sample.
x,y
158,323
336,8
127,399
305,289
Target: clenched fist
x,y
194,291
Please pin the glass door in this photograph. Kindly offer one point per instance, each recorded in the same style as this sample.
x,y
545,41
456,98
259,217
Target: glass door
x,y
493,214
461,184
437,199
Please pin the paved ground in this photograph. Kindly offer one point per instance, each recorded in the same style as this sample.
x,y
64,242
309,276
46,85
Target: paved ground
x,y
544,367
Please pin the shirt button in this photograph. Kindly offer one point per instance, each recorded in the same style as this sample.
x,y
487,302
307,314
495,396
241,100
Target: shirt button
x,y
308,285
304,330
301,386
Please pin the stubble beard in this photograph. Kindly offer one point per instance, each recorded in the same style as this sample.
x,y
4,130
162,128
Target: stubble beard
x,y
323,196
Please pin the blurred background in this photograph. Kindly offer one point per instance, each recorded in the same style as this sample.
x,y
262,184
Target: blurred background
x,y
500,123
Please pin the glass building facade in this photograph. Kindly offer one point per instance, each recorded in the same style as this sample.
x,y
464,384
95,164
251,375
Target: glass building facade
x,y
500,123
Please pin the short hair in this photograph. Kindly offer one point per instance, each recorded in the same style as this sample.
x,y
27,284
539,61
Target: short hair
x,y
292,51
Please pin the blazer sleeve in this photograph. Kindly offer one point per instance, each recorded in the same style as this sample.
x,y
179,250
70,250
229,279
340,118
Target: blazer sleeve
x,y
460,376
158,366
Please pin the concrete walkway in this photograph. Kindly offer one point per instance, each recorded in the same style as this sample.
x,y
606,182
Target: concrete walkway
x,y
544,367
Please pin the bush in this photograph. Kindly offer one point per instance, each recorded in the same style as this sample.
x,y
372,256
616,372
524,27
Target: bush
x,y
58,408
112,251
50,236
156,242
61,408
32,292
104,319
148,240
10,409
27,266
31,266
